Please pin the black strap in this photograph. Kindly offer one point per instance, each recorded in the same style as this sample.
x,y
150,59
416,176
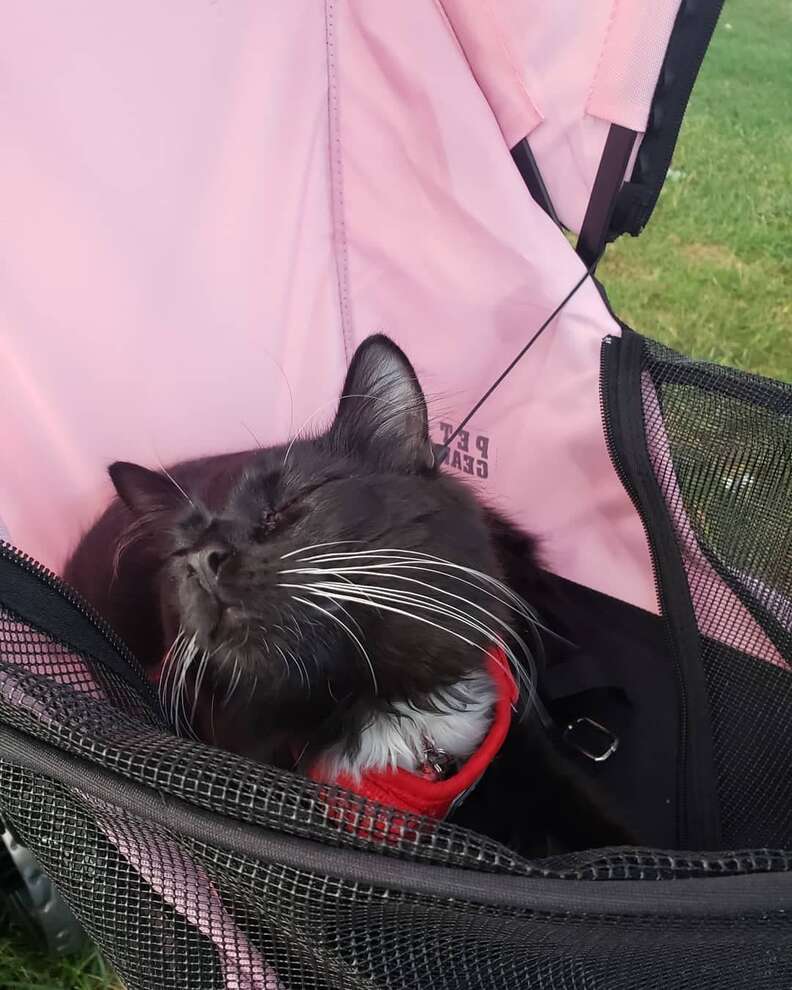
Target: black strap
x,y
529,170
576,675
610,175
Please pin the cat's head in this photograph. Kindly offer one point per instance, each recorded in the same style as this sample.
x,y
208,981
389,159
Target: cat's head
x,y
343,568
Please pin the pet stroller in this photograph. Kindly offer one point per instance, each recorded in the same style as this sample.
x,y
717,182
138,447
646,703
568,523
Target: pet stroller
x,y
206,207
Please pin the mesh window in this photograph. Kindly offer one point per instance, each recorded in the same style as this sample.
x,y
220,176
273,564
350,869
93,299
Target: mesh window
x,y
186,914
720,442
170,911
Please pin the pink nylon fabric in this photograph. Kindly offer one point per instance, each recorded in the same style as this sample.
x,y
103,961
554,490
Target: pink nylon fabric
x,y
562,73
485,32
629,65
203,201
166,243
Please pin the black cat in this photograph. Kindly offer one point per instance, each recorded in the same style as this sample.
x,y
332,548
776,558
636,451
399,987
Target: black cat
x,y
332,602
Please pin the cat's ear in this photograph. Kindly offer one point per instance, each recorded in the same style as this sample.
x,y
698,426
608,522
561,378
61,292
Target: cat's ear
x,y
144,491
382,412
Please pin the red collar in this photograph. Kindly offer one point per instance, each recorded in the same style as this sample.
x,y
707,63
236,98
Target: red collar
x,y
424,795
413,791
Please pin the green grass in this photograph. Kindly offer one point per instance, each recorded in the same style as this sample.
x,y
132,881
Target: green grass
x,y
712,273
22,968
710,276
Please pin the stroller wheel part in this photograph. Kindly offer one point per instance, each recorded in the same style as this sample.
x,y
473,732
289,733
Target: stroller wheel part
x,y
34,902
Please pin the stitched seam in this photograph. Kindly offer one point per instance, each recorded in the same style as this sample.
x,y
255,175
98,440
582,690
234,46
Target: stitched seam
x,y
513,66
507,52
340,249
605,41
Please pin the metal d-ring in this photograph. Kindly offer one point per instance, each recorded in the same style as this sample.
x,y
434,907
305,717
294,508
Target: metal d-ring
x,y
610,749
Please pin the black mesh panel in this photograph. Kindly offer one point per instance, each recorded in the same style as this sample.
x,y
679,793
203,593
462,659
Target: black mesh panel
x,y
137,827
264,925
172,912
720,442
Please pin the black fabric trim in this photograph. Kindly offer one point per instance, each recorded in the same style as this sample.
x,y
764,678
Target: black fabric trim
x,y
690,38
698,806
707,898
529,170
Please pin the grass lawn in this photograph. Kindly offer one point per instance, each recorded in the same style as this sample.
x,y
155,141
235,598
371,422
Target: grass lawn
x,y
24,969
710,276
712,273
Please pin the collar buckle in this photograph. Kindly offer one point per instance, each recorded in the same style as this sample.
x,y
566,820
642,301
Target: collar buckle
x,y
436,764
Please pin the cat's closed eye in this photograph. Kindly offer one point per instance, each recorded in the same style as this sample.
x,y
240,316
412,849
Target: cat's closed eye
x,y
270,521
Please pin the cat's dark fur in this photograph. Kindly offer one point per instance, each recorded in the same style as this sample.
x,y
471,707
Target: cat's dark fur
x,y
209,545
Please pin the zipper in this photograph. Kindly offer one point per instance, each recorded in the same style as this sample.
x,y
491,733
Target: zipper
x,y
47,577
609,359
609,367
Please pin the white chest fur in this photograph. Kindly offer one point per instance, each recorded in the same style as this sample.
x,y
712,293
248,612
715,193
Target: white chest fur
x,y
453,722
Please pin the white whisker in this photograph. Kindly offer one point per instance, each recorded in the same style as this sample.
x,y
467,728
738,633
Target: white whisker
x,y
349,632
181,693
300,755
515,602
198,682
430,558
378,571
387,608
401,409
283,658
417,561
287,383
253,435
234,681
286,662
318,546
304,679
387,601
175,483
170,668
376,588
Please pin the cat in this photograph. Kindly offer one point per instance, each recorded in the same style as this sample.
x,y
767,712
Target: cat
x,y
331,602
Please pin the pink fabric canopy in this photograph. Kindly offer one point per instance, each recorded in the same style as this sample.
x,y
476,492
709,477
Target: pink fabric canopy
x,y
206,207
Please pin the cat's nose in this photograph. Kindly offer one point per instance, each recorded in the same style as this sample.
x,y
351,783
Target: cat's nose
x,y
207,563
